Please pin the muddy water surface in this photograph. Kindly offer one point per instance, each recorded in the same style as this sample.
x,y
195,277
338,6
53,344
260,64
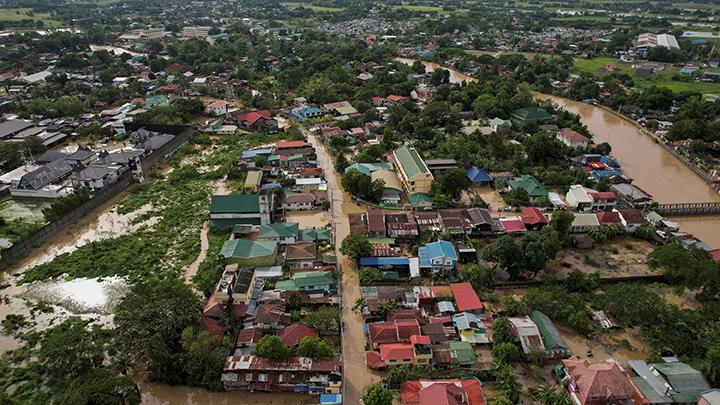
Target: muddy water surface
x,y
308,219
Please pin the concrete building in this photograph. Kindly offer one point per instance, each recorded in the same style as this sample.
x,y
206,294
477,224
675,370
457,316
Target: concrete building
x,y
414,174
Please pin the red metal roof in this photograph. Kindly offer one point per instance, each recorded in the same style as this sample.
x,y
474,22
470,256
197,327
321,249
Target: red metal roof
x,y
603,195
252,117
533,216
420,340
396,351
290,144
512,225
571,135
632,216
608,217
293,334
715,254
465,297
374,361
442,392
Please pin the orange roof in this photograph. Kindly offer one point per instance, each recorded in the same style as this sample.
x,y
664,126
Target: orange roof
x,y
533,216
289,144
396,351
293,334
465,297
442,392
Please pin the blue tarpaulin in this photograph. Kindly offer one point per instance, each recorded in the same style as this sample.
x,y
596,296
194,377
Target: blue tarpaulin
x,y
330,399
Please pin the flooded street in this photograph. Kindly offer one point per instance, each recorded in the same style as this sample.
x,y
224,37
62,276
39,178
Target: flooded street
x,y
456,76
357,375
308,219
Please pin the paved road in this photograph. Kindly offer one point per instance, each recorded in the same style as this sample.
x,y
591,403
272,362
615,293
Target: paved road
x,y
357,375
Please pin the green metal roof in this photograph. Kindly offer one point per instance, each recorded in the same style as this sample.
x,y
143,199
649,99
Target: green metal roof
x,y
247,249
410,161
532,114
279,230
463,352
244,203
306,279
312,235
550,335
420,198
686,382
528,183
649,392
368,168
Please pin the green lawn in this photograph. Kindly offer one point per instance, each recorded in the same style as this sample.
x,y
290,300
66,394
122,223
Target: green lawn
x,y
19,14
427,9
309,6
663,79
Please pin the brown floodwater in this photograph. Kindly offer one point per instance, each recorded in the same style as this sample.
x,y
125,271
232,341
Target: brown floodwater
x,y
308,219
455,75
357,376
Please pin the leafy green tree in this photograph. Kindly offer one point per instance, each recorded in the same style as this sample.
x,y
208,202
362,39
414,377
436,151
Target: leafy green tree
x,y
502,331
204,358
271,347
101,386
376,394
369,275
480,277
506,381
326,319
356,245
549,395
517,197
502,400
505,352
313,347
452,182
362,185
150,320
561,221
711,366
507,254
397,375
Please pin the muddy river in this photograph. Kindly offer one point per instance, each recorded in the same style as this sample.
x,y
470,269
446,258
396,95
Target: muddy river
x,y
653,168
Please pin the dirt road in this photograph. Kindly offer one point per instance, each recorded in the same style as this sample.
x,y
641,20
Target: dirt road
x,y
357,375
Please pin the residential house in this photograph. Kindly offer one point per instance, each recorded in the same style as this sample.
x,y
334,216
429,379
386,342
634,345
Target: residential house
x,y
632,195
584,199
631,219
479,176
418,351
573,138
82,156
376,223
340,109
513,226
530,115
97,176
711,396
609,218
482,222
441,392
392,332
437,166
305,112
250,252
552,339
312,282
602,383
48,181
466,299
289,148
414,174
473,328
293,334
584,222
217,108
685,383
420,201
255,120
301,255
401,226
438,257
527,333
304,201
393,187
501,126
533,218
270,317
284,233
253,179
253,373
227,211
531,185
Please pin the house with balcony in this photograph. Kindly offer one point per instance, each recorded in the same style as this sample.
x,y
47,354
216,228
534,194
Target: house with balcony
x,y
438,257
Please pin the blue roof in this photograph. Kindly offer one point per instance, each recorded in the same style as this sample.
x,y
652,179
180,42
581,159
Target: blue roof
x,y
476,174
686,71
441,248
609,160
597,175
249,154
330,399
384,261
271,185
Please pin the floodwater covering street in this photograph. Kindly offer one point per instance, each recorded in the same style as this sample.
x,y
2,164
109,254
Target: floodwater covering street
x,y
357,375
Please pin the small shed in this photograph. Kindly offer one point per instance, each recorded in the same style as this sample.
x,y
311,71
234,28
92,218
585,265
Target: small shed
x,y
553,340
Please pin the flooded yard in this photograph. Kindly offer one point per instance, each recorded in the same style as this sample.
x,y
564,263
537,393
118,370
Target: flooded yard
x,y
622,345
620,258
309,219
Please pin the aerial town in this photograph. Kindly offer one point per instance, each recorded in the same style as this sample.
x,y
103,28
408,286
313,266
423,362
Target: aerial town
x,y
461,202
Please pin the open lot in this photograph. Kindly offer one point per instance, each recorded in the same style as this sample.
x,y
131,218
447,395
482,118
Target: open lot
x,y
623,257
294,5
20,14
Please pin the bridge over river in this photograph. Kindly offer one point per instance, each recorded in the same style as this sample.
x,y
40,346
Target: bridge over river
x,y
684,209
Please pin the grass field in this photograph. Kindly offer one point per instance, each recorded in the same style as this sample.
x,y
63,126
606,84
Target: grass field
x,y
427,9
19,14
308,6
663,79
